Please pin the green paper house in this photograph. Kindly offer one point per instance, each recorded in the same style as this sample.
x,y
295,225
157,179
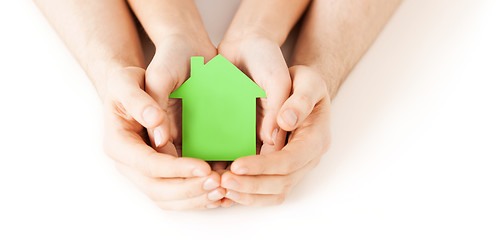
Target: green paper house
x,y
219,111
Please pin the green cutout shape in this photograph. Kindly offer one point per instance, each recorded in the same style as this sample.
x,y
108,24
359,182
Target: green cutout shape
x,y
219,111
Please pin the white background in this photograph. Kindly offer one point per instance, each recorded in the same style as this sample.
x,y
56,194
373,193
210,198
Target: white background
x,y
413,154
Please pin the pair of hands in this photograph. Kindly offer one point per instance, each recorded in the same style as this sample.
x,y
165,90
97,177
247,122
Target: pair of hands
x,y
139,114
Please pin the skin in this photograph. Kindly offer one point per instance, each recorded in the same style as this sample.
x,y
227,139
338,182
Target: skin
x,y
170,25
334,36
112,57
141,123
252,43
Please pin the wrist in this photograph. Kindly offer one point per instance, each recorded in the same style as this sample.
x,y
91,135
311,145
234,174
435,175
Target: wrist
x,y
167,38
247,33
269,19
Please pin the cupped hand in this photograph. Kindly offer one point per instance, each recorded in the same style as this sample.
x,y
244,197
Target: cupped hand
x,y
262,60
168,69
267,178
173,183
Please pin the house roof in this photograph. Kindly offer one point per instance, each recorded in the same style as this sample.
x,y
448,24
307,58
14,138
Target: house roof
x,y
217,77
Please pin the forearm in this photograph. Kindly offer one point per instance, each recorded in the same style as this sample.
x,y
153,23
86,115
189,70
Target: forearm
x,y
165,18
335,35
269,19
100,34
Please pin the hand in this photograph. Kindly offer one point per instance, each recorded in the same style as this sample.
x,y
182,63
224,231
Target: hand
x,y
265,179
172,182
262,60
166,72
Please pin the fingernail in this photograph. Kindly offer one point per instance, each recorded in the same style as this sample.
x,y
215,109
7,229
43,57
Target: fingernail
x,y
232,184
159,138
274,135
212,205
199,173
290,117
232,195
241,171
150,115
214,195
210,184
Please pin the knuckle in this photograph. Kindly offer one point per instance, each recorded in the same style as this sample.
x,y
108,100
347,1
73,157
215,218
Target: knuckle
x,y
304,101
253,186
315,163
289,167
148,167
279,199
286,186
250,201
190,192
263,168
177,170
158,72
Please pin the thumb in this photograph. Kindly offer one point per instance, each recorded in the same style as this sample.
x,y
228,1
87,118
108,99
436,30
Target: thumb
x,y
308,89
135,101
277,84
160,84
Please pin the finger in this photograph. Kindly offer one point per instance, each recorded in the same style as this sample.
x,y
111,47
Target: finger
x,y
166,189
200,202
279,140
160,135
276,82
159,84
265,184
308,89
135,101
255,199
291,158
309,141
127,147
168,148
226,202
165,74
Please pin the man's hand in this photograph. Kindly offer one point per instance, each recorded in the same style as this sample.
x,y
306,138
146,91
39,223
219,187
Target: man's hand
x,y
252,43
173,183
265,179
334,36
103,37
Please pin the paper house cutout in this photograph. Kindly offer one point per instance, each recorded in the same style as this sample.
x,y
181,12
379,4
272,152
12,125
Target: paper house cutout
x,y
219,111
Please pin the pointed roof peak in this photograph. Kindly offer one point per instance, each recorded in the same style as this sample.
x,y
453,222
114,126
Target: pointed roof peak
x,y
219,59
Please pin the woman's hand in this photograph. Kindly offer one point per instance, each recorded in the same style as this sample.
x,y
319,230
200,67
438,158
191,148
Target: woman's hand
x,y
262,60
169,69
172,182
266,179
